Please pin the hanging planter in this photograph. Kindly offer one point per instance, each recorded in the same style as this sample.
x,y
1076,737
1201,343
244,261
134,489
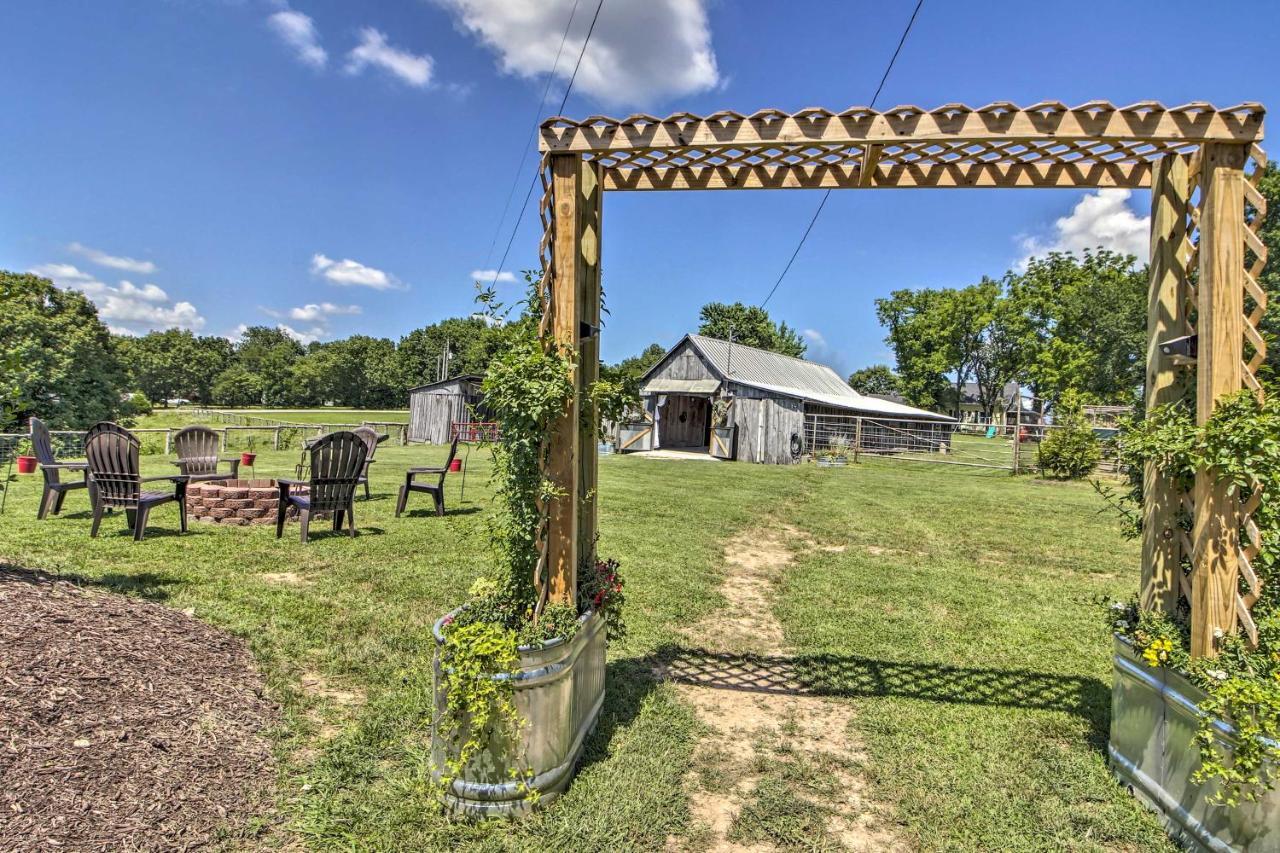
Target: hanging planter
x,y
26,464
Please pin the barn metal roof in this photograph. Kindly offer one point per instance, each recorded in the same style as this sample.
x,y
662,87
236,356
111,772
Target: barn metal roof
x,y
794,377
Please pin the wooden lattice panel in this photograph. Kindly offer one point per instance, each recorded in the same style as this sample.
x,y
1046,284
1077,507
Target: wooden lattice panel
x,y
1000,145
1255,353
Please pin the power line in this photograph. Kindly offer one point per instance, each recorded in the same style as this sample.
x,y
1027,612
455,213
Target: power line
x,y
524,152
563,101
872,105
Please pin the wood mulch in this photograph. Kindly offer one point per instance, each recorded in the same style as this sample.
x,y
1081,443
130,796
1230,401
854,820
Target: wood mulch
x,y
124,724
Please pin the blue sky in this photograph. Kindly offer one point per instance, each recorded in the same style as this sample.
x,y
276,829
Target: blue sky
x,y
341,167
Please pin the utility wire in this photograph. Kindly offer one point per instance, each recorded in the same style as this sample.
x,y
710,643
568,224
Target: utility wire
x,y
883,79
563,101
524,152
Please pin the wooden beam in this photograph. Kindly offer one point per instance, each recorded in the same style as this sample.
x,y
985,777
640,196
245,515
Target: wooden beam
x,y
1219,371
1147,121
589,218
1085,174
562,464
867,168
1166,383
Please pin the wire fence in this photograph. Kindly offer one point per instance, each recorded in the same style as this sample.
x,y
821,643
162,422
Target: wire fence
x,y
835,439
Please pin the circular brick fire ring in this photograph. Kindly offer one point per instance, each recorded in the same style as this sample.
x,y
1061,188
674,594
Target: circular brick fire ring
x,y
234,502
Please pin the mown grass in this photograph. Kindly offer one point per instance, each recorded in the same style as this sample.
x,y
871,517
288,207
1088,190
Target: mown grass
x,y
988,736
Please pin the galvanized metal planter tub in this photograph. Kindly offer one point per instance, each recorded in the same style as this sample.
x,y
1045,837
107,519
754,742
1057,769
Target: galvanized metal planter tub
x,y
635,436
1153,750
559,690
724,442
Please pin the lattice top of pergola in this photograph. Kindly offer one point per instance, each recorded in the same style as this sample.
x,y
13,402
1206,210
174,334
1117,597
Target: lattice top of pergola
x,y
1096,144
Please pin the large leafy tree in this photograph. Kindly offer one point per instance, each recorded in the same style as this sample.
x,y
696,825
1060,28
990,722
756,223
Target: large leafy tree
x,y
237,387
357,371
1083,325
750,325
269,354
175,363
937,338
634,366
877,379
472,344
56,354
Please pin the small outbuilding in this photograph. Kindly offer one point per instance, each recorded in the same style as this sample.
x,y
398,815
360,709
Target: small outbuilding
x,y
435,408
776,403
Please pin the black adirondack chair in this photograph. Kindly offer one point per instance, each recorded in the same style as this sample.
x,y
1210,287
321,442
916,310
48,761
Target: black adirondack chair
x,y
55,488
336,462
115,480
197,449
371,440
436,489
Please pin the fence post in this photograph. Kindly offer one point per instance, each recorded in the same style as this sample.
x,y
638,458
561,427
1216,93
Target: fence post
x,y
1017,429
168,433
224,438
275,444
857,440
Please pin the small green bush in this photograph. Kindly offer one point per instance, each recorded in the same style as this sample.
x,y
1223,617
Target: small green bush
x,y
1071,450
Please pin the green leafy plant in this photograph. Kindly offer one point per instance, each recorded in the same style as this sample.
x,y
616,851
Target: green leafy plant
x,y
1071,450
1240,444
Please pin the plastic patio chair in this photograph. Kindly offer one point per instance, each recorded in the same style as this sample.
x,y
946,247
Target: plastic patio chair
x,y
197,449
55,489
115,480
336,463
436,489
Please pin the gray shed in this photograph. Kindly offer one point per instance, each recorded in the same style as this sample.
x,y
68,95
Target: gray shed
x,y
435,408
772,396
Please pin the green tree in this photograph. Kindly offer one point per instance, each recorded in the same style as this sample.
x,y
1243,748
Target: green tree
x,y
237,387
269,355
878,379
749,325
174,363
354,372
634,366
57,354
1084,325
472,345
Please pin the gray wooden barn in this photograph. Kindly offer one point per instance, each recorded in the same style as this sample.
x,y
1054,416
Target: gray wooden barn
x,y
435,408
776,401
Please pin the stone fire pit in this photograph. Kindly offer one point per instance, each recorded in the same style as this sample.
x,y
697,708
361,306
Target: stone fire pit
x,y
235,502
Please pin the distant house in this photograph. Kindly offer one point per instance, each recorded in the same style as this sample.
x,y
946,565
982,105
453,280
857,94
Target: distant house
x,y
436,407
776,400
1006,411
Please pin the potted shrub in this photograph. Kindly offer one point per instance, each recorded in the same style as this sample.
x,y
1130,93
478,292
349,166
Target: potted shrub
x,y
26,462
724,434
836,453
518,675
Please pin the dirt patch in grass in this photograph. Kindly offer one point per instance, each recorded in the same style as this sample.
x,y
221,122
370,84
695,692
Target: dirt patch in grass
x,y
775,768
284,579
127,725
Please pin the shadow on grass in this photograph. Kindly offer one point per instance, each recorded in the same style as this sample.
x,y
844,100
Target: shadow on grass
x,y
627,683
431,513
144,584
852,676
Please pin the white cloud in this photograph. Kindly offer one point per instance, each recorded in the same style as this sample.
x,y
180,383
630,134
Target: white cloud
x,y
640,52
113,261
818,350
128,307
487,276
1103,219
303,337
374,50
353,273
313,313
299,32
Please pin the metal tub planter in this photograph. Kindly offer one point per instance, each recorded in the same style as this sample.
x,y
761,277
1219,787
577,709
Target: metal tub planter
x,y
559,690
1153,750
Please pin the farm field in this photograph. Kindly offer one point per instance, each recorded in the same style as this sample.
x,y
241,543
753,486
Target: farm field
x,y
950,620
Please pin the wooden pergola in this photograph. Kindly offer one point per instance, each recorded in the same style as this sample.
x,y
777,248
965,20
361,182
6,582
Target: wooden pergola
x,y
1200,162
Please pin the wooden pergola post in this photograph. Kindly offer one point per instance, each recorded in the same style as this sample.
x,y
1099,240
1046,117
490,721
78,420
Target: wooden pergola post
x,y
1166,383
575,309
1219,371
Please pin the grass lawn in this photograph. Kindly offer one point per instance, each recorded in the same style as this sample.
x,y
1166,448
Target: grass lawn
x,y
959,622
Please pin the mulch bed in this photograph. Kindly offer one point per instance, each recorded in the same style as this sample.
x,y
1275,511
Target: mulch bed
x,y
124,724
